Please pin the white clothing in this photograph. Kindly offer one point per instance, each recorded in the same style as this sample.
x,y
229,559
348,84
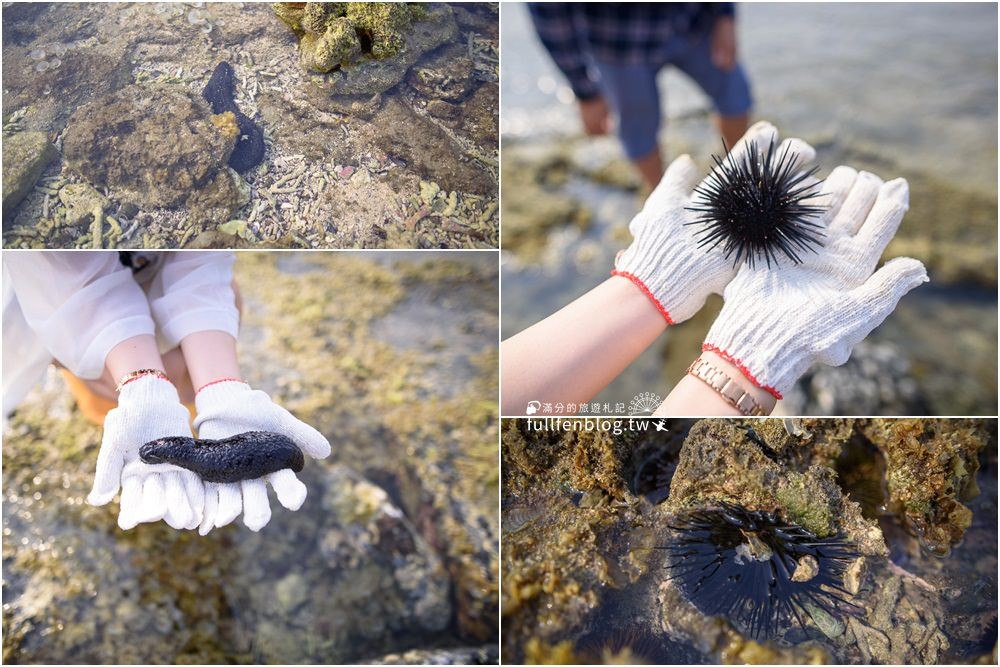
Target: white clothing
x,y
75,306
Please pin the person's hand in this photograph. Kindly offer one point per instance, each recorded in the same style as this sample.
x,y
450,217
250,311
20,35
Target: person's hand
x,y
779,321
723,43
595,116
148,409
665,260
229,408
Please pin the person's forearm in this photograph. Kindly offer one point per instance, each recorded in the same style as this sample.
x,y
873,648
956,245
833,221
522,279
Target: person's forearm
x,y
210,356
692,397
133,354
573,354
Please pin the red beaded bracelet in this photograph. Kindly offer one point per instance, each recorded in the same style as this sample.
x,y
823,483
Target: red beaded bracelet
x,y
135,375
218,381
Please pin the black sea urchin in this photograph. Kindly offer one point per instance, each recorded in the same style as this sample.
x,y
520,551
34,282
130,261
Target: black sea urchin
x,y
754,207
756,569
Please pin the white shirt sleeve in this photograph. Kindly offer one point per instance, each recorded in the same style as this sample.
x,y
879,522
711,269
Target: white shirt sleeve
x,y
79,304
192,292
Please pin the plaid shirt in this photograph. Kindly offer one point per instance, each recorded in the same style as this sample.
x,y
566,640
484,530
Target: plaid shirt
x,y
621,33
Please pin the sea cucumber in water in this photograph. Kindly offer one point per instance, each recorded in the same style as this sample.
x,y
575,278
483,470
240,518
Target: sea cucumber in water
x,y
218,92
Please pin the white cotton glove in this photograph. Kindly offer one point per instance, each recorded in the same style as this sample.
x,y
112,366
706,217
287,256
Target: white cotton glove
x,y
665,260
229,408
779,321
148,409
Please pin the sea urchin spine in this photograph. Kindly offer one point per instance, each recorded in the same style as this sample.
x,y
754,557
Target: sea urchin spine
x,y
757,569
754,206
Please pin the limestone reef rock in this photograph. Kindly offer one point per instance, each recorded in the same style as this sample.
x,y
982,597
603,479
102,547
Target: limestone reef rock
x,y
365,48
25,157
339,34
930,468
723,461
156,145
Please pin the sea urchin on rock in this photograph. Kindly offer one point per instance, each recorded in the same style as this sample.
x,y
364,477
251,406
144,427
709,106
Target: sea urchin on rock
x,y
754,206
757,569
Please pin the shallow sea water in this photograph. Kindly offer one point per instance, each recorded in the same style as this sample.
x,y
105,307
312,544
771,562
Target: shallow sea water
x,y
333,174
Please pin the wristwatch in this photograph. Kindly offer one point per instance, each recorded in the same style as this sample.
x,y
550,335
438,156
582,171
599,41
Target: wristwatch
x,y
725,386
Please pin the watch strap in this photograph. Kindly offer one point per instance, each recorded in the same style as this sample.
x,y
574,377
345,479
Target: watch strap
x,y
727,387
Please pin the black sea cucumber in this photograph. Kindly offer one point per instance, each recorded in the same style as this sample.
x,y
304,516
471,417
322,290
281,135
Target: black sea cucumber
x,y
756,569
218,92
754,207
245,456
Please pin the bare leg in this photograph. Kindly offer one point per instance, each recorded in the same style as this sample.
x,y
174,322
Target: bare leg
x,y
650,167
732,128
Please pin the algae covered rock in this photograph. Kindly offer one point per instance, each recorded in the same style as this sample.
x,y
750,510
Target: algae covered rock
x,y
25,157
931,467
158,146
420,143
722,461
338,45
368,539
381,57
338,34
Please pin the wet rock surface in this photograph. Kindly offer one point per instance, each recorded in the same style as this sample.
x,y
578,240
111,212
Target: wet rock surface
x,y
25,157
931,469
584,575
394,549
154,145
875,374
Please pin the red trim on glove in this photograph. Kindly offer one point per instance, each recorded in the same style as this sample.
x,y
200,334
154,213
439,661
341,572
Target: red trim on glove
x,y
708,347
645,290
218,381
